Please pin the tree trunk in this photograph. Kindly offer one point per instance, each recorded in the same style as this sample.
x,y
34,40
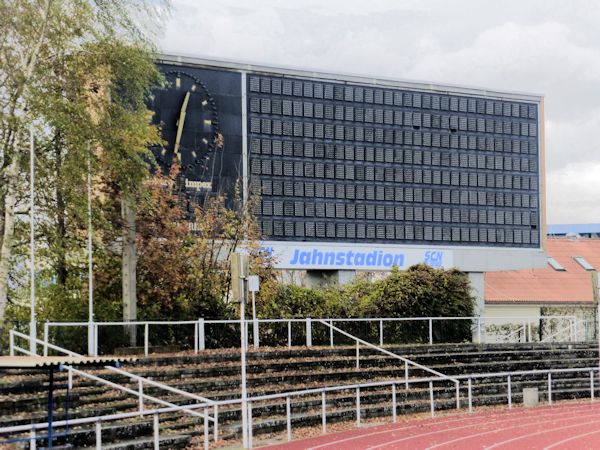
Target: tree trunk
x,y
10,200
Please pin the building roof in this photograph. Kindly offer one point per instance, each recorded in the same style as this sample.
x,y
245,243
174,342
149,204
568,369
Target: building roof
x,y
579,228
39,362
547,285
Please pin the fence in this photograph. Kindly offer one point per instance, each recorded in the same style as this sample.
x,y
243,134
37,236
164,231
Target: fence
x,y
205,403
197,335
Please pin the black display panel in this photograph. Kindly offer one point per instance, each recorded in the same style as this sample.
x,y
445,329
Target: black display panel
x,y
341,162
200,116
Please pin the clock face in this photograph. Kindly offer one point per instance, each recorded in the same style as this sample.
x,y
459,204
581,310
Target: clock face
x,y
190,127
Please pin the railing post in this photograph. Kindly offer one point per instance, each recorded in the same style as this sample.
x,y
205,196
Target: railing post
x,y
250,433
69,379
146,326
323,413
430,331
196,338
524,331
381,332
289,327
330,333
479,330
46,332
406,374
358,407
509,391
431,399
207,431
141,396
98,435
255,333
308,332
32,440
96,339
11,342
394,414
469,390
591,385
549,388
529,334
156,432
458,395
201,336
288,416
357,356
216,423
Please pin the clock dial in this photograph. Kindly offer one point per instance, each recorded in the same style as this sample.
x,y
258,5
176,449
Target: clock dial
x,y
190,124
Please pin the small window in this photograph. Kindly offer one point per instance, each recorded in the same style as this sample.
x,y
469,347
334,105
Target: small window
x,y
583,263
555,265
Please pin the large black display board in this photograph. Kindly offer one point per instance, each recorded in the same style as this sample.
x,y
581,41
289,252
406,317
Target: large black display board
x,y
349,163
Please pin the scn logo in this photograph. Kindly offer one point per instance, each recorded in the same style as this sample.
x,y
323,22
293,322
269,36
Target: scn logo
x,y
433,258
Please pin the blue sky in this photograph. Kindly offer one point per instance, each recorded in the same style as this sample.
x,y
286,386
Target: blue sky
x,y
540,46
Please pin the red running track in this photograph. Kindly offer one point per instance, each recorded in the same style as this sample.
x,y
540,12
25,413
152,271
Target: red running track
x,y
568,426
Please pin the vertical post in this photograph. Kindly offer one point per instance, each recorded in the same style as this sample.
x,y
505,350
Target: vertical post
x,y
308,332
323,413
244,393
430,331
32,320
91,345
479,330
156,432
196,338
129,266
216,423
96,339
458,395
394,404
146,338
469,389
255,336
50,405
549,388
330,333
11,343
206,430
529,334
32,440
289,327
406,374
509,391
358,407
381,332
288,417
201,334
98,435
432,406
357,356
250,431
524,331
141,396
46,337
591,385
69,378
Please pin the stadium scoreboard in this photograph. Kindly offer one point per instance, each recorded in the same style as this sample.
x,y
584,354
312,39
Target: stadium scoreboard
x,y
353,172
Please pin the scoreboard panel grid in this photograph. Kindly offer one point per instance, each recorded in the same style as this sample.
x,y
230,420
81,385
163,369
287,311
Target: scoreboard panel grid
x,y
352,163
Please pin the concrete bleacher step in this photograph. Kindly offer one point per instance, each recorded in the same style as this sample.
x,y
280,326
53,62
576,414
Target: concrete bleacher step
x,y
215,374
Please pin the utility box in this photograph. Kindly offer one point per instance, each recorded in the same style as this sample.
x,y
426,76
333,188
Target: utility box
x,y
531,397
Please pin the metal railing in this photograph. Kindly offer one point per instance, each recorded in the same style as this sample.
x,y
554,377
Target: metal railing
x,y
479,329
141,381
325,394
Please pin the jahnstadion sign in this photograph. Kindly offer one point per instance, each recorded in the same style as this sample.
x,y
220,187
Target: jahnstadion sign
x,y
357,172
342,257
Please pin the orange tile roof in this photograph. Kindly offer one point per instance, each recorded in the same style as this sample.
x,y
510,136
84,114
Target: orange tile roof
x,y
547,285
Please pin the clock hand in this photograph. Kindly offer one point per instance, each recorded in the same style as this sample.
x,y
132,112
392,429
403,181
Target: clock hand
x,y
181,122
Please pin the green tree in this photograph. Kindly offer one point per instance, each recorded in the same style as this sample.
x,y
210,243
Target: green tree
x,y
79,71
